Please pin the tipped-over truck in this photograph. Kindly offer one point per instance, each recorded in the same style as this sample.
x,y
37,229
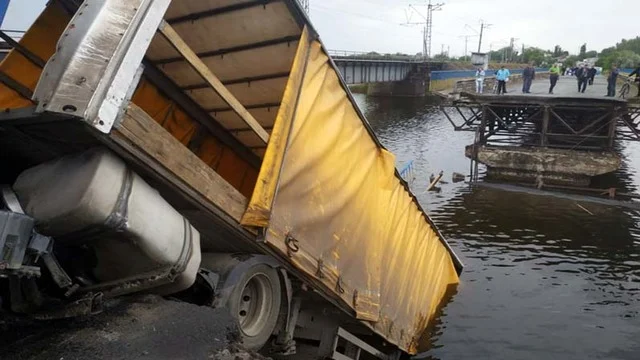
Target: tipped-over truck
x,y
208,150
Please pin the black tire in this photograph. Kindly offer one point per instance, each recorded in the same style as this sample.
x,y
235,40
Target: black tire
x,y
255,304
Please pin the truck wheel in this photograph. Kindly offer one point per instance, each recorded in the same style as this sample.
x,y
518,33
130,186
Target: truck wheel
x,y
255,304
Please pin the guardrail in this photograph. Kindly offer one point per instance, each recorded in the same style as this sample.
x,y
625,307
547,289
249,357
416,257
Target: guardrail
x,y
406,172
460,74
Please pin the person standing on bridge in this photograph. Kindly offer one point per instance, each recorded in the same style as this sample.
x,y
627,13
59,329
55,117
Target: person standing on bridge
x,y
636,72
592,74
611,81
554,75
480,80
502,77
528,75
583,78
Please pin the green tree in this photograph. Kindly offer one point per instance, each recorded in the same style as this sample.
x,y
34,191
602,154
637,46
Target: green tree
x,y
535,55
590,54
571,61
608,51
557,51
441,57
631,45
622,59
583,50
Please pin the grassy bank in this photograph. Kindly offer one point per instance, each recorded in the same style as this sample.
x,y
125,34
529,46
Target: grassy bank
x,y
359,88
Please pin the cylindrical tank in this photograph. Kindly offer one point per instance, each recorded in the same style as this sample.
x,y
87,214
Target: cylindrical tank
x,y
93,199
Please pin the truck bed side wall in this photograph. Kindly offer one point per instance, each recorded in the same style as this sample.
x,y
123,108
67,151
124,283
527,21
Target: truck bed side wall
x,y
41,39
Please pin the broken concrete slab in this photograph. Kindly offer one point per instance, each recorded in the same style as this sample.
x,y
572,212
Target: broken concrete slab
x,y
558,166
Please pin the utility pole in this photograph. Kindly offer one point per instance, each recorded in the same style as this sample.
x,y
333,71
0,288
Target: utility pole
x,y
305,5
511,43
466,43
512,48
483,26
442,51
428,26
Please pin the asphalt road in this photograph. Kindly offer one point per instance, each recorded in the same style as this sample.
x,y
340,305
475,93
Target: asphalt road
x,y
566,86
147,327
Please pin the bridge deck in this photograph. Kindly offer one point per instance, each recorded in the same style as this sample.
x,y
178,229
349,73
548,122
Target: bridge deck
x,y
567,137
567,86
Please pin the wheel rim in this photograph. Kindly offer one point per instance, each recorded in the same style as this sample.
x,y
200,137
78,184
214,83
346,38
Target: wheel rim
x,y
255,304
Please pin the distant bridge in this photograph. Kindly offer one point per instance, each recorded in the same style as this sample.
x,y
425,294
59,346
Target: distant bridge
x,y
361,67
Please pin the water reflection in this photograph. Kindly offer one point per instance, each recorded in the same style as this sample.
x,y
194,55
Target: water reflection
x,y
543,277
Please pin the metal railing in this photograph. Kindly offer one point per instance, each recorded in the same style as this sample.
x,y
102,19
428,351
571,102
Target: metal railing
x,y
361,55
407,174
563,125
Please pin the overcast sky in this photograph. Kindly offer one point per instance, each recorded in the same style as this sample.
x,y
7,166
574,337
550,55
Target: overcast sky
x,y
376,24
380,25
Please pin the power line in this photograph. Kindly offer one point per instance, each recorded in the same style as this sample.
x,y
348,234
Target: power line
x,y
334,11
428,25
466,43
305,5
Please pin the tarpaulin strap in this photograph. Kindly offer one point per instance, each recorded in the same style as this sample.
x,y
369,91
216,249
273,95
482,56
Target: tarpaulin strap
x,y
35,59
14,85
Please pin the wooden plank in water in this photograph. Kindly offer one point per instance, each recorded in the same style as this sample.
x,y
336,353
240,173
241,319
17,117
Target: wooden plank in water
x,y
141,135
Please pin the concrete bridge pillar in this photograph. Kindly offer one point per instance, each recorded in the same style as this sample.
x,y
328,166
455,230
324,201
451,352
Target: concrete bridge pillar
x,y
412,87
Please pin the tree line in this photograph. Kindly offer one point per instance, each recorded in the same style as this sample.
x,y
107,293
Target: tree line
x,y
625,54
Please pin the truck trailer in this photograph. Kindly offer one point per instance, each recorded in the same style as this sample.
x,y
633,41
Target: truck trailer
x,y
210,151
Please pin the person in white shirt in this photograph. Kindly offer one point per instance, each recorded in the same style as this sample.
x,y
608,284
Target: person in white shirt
x,y
479,80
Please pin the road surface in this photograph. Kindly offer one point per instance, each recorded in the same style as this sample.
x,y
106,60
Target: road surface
x,y
567,86
143,327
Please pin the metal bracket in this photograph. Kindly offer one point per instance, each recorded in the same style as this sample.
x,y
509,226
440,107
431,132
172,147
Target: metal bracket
x,y
93,82
353,346
10,200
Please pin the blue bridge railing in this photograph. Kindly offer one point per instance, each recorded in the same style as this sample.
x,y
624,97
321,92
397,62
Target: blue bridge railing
x,y
456,74
406,172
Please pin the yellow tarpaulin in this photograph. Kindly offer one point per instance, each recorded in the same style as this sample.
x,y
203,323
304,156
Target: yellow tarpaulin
x,y
338,211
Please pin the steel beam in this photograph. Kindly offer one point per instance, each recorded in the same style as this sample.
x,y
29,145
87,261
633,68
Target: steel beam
x,y
16,86
93,82
250,107
235,49
248,80
35,59
219,11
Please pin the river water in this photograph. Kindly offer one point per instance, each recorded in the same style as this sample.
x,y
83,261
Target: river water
x,y
543,278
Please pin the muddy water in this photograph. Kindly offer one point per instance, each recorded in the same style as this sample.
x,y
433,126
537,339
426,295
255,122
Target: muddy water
x,y
544,279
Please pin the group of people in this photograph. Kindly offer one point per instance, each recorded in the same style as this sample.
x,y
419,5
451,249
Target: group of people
x,y
502,77
585,75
